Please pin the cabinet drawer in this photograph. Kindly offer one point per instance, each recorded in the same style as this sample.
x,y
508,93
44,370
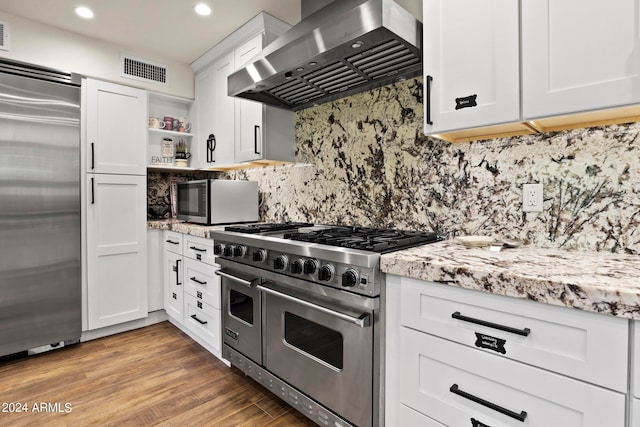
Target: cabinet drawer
x,y
173,242
203,320
583,345
199,248
201,282
444,381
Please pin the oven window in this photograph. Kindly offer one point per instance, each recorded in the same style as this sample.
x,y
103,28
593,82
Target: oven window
x,y
241,306
314,339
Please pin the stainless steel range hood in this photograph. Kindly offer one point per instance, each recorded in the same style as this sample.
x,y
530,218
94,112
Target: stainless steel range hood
x,y
347,47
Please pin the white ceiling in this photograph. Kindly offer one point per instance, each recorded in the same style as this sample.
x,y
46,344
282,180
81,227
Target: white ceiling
x,y
167,28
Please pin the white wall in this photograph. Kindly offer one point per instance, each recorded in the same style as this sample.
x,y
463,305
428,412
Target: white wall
x,y
48,46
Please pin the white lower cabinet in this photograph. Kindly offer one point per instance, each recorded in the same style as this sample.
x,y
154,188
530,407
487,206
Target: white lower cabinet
x,y
459,357
456,385
192,289
203,320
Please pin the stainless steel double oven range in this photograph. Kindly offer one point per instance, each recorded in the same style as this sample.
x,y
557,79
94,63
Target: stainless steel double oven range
x,y
303,313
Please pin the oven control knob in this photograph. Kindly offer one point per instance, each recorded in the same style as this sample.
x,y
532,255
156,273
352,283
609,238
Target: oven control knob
x,y
310,266
326,272
239,251
259,256
350,278
280,263
228,251
297,266
218,249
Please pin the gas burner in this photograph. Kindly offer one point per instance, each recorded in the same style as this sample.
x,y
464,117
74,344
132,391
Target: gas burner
x,y
266,227
368,239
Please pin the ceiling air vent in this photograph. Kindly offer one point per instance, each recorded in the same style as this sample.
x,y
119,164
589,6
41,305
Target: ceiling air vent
x,y
4,36
139,69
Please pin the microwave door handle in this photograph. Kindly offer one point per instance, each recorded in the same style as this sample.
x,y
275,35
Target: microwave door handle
x,y
247,283
363,320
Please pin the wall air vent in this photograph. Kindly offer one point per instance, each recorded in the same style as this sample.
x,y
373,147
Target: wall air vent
x,y
4,36
139,69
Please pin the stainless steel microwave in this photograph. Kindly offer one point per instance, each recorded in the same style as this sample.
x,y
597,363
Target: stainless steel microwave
x,y
217,201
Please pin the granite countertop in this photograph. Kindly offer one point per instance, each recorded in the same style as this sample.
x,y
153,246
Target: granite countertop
x,y
600,282
184,227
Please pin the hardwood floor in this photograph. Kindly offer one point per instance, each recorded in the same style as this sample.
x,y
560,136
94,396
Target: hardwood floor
x,y
151,376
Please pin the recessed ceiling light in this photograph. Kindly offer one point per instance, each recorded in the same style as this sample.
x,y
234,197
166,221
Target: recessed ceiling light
x,y
202,9
84,12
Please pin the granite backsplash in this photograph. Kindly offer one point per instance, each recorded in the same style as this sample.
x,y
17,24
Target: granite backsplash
x,y
364,160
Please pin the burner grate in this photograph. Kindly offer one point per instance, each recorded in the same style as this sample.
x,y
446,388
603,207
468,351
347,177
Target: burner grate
x,y
367,239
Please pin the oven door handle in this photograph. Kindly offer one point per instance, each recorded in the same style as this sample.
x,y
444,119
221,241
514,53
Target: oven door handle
x,y
247,283
363,320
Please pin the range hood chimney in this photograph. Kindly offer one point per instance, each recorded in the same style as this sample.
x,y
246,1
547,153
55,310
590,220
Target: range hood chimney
x,y
346,47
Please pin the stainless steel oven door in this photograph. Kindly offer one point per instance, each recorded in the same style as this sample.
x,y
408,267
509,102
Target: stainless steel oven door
x,y
324,351
241,313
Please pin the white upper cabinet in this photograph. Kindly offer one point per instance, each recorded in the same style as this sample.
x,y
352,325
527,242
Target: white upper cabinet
x,y
471,63
204,141
224,117
579,55
116,129
240,130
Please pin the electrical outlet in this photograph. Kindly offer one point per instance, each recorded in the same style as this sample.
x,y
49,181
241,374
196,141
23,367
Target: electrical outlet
x,y
532,198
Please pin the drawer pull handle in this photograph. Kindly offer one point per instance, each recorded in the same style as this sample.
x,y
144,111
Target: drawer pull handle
x,y
524,332
172,242
202,322
197,281
197,249
518,416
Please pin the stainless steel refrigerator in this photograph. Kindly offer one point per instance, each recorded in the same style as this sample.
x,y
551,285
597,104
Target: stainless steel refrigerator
x,y
40,275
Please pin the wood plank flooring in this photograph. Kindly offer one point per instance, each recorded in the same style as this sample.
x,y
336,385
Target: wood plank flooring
x,y
151,376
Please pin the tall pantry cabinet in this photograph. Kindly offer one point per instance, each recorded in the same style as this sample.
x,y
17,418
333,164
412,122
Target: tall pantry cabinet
x,y
115,147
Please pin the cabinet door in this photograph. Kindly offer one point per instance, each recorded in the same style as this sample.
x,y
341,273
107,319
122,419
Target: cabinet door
x,y
249,114
116,129
174,293
579,55
249,131
204,113
223,122
471,63
116,249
